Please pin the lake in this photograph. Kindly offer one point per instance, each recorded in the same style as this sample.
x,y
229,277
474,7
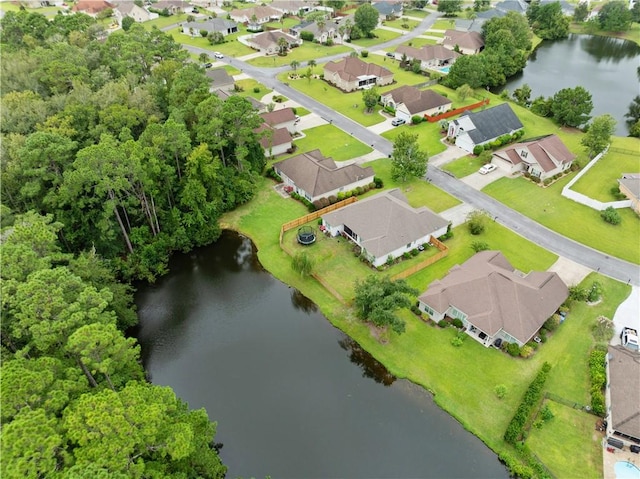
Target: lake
x,y
293,396
604,66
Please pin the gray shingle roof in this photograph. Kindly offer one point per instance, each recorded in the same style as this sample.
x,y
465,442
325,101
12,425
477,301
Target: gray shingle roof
x,y
318,175
386,222
219,77
494,296
631,181
492,123
624,379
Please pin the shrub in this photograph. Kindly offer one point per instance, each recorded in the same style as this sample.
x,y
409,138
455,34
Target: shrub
x,y
414,252
329,42
615,192
406,255
603,329
416,310
324,202
546,413
611,215
256,89
390,110
478,246
476,222
501,391
372,185
552,323
547,182
364,53
598,375
543,335
594,292
513,349
458,339
317,204
359,190
577,293
333,199
535,179
442,323
478,149
526,351
417,119
306,36
378,182
457,322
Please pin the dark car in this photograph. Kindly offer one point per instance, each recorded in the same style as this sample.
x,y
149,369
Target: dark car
x,y
391,54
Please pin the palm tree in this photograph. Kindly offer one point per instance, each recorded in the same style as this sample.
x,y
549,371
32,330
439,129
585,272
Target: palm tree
x,y
283,45
311,64
294,65
321,24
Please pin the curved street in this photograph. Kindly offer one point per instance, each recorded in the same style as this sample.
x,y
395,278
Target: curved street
x,y
621,270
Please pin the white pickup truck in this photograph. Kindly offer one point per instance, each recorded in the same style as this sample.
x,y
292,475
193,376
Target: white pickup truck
x,y
629,339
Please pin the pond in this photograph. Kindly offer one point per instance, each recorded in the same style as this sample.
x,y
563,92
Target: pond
x,y
605,67
293,396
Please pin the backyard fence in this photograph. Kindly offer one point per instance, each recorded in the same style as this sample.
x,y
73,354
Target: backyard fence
x,y
316,214
569,403
444,251
447,114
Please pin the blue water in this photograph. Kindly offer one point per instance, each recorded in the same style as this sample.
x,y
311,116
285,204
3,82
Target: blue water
x,y
445,69
626,470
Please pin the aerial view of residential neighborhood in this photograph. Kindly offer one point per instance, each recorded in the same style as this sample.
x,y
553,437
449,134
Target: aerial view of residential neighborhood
x,y
320,239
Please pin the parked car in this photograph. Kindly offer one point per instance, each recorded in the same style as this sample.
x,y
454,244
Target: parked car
x,y
488,168
391,54
195,10
218,55
397,122
208,65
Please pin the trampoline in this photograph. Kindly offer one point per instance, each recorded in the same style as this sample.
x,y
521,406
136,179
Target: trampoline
x,y
306,235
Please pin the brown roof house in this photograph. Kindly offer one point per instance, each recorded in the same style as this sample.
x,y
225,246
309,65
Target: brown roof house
x,y
313,176
493,300
172,6
542,157
430,56
274,141
283,118
267,42
129,9
92,7
623,395
409,101
254,17
385,226
468,43
630,187
220,80
351,74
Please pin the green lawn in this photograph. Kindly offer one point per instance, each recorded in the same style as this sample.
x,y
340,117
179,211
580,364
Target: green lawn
x,y
633,34
399,22
231,47
428,136
162,22
599,180
306,51
301,111
415,13
420,42
232,70
463,166
381,36
286,23
418,192
570,427
443,24
571,219
332,142
248,84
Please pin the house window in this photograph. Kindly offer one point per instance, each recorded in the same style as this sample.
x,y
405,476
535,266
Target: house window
x,y
524,154
409,245
428,309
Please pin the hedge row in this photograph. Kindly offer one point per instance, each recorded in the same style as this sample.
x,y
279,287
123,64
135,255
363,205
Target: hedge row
x,y
531,398
598,375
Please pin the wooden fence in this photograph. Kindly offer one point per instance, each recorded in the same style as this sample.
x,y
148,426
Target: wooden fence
x,y
316,214
448,114
443,251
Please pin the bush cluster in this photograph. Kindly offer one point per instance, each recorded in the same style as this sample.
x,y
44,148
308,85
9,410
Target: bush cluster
x,y
513,349
417,119
598,376
611,216
531,398
457,323
306,36
310,206
552,323
442,323
271,173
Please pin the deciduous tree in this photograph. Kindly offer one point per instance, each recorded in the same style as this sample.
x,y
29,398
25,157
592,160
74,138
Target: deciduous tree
x,y
370,98
598,136
615,17
407,159
366,19
572,106
378,298
450,7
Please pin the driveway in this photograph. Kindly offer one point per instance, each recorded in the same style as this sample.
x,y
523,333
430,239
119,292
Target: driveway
x,y
627,314
451,153
380,128
569,271
478,181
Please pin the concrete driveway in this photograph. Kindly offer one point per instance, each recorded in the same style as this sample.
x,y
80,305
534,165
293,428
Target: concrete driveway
x,y
380,128
627,314
478,181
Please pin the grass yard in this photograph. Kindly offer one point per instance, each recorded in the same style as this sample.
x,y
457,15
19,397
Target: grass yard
x,y
428,136
601,178
306,51
415,13
332,142
162,22
571,219
248,85
400,76
231,47
570,427
301,111
286,23
420,42
633,34
418,192
400,22
232,70
443,24
463,166
381,36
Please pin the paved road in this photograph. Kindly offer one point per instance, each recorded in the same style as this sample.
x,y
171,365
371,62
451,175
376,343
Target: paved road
x,y
533,231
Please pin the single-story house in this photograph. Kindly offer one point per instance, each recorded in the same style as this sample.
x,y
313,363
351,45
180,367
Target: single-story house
x,y
468,42
518,6
255,17
92,7
313,176
629,186
408,101
623,395
385,226
267,42
493,300
257,105
274,141
130,9
430,56
542,157
351,74
222,25
478,128
292,7
220,80
283,118
329,30
388,10
173,6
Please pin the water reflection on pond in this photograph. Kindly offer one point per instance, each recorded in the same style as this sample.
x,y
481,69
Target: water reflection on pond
x,y
293,396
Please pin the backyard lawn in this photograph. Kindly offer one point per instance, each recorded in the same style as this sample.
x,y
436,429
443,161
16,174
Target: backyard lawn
x,y
418,192
381,36
332,142
231,47
162,22
415,13
305,52
604,175
248,85
571,219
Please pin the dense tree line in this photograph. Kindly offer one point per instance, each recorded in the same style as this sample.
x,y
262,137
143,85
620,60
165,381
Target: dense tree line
x,y
507,43
120,140
114,154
